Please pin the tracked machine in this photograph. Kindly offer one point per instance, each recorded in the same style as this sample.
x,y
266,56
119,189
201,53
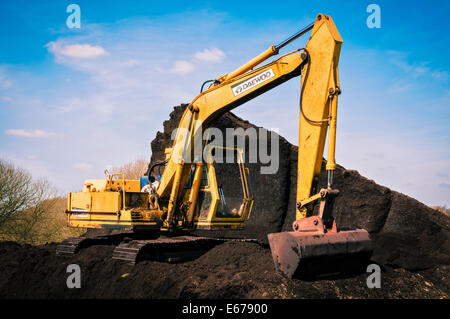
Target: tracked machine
x,y
190,196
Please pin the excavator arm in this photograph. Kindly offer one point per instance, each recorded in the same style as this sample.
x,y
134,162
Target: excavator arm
x,y
314,237
209,106
317,64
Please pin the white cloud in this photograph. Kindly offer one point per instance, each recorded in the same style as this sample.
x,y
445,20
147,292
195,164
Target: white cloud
x,y
416,69
30,133
71,104
210,55
6,98
439,75
32,157
130,63
82,166
66,108
180,67
4,82
78,51
399,88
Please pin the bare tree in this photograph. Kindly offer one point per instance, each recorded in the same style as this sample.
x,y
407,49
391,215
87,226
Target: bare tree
x,y
15,190
132,170
23,202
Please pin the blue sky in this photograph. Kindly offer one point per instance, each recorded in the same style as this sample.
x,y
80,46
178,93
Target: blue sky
x,y
75,101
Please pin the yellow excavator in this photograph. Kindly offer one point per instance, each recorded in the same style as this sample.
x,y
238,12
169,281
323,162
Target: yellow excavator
x,y
188,195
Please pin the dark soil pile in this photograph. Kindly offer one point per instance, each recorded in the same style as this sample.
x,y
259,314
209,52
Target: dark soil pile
x,y
229,270
406,233
411,244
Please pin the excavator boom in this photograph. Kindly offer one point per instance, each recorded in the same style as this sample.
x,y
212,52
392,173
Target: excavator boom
x,y
227,94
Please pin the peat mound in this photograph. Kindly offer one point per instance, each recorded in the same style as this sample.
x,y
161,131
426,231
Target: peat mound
x,y
406,233
411,244
229,270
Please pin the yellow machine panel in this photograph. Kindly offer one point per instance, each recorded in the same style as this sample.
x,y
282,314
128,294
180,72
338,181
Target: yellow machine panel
x,y
80,201
95,202
106,202
94,185
100,185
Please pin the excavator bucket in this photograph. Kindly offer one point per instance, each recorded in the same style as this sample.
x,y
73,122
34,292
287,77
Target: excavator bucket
x,y
311,251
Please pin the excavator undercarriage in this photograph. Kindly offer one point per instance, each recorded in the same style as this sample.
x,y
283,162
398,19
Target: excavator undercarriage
x,y
133,248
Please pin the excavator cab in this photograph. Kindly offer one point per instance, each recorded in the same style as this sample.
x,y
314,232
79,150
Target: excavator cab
x,y
224,201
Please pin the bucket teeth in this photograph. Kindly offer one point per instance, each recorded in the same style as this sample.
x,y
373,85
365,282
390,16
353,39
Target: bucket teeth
x,y
300,253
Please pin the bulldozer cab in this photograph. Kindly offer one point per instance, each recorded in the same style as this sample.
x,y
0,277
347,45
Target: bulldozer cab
x,y
225,197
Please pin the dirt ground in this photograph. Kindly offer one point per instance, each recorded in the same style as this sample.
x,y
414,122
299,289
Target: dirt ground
x,y
229,270
411,243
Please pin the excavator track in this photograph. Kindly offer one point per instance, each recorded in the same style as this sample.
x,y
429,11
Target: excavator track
x,y
72,245
69,245
133,250
167,249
